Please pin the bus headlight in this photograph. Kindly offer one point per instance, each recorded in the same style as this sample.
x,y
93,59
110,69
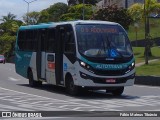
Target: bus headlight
x,y
83,64
133,64
131,67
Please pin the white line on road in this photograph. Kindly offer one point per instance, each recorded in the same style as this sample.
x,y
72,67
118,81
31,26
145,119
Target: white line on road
x,y
45,97
13,79
157,87
13,108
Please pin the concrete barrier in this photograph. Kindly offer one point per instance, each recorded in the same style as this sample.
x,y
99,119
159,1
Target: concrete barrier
x,y
148,80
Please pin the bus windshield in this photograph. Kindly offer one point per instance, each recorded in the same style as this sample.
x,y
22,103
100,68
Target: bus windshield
x,y
109,41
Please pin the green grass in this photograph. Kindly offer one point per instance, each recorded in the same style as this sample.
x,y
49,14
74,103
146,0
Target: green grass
x,y
139,53
154,30
152,69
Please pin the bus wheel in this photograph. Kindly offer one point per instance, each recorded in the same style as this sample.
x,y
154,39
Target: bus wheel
x,y
70,87
118,91
32,82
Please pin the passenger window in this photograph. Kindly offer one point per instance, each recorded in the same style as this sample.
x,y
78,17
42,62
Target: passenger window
x,y
50,45
21,40
69,46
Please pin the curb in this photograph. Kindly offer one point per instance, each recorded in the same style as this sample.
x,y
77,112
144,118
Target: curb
x,y
148,80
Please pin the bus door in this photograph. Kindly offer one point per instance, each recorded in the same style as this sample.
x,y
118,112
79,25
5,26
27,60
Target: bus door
x,y
50,56
41,55
60,34
65,46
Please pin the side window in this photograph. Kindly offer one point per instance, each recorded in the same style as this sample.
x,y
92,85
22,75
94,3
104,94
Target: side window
x,y
31,40
50,44
43,35
35,40
27,40
69,44
21,40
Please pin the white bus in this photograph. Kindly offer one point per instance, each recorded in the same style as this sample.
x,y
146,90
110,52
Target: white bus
x,y
76,54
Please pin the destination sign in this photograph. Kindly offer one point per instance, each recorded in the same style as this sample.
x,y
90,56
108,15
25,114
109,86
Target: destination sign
x,y
98,30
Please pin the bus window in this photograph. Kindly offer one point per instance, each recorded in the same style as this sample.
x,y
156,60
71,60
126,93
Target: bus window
x,y
43,34
30,40
50,44
69,45
21,40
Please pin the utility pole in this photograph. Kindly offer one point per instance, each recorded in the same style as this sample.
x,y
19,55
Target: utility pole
x,y
28,7
83,9
147,29
126,4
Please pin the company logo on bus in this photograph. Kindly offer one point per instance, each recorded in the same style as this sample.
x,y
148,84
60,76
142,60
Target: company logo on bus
x,y
109,66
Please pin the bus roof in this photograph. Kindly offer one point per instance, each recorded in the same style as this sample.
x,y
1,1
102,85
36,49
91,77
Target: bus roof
x,y
87,22
53,24
39,26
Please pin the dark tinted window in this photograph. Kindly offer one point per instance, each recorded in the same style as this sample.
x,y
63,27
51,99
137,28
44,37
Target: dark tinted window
x,y
27,40
69,45
21,40
50,44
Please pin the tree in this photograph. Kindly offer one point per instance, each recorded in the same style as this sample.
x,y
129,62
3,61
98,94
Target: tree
x,y
136,11
56,10
75,12
7,45
44,16
31,18
114,14
72,2
75,2
8,29
92,2
9,17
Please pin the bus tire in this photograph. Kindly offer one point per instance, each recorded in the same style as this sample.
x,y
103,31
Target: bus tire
x,y
70,87
118,91
32,82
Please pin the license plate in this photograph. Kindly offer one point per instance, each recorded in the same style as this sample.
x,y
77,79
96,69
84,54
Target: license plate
x,y
110,80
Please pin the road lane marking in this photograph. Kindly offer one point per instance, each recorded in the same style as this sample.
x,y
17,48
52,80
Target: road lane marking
x,y
13,79
157,87
57,102
14,108
36,102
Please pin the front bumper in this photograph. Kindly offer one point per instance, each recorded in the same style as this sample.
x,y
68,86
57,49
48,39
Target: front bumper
x,y
104,82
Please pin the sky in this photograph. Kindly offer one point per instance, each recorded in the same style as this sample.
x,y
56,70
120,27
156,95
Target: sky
x,y
19,7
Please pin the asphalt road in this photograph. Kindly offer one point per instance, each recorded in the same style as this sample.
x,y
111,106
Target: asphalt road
x,y
16,95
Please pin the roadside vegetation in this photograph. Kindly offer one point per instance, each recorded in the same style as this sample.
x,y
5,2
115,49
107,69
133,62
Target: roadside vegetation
x,y
139,53
139,32
152,69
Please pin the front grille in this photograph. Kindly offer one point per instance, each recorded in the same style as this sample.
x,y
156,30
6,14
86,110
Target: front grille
x,y
103,80
109,72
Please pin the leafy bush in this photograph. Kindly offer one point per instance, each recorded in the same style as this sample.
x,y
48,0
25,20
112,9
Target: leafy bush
x,y
114,14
